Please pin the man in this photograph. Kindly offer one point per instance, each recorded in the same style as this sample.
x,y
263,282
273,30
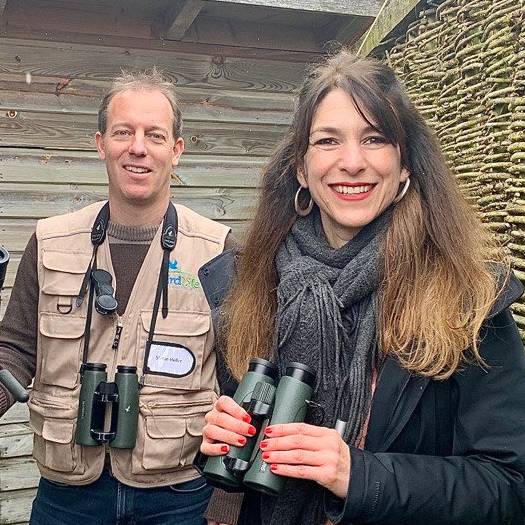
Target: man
x,y
64,314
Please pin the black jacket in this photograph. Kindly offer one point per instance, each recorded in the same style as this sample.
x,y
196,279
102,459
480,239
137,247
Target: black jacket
x,y
441,452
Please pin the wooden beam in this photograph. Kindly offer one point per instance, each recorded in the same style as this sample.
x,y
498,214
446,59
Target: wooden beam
x,y
341,7
392,13
175,22
349,32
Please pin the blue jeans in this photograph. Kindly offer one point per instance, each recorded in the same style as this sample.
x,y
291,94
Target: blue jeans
x,y
109,502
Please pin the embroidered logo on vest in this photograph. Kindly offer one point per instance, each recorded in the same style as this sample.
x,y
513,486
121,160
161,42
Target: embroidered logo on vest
x,y
178,277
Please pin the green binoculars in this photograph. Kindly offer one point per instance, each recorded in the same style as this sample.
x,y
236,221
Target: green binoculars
x,y
97,396
267,404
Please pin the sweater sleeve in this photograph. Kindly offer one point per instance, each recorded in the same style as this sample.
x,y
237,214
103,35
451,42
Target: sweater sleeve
x,y
482,481
18,329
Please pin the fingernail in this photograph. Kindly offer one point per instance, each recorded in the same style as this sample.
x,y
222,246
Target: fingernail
x,y
225,448
273,468
266,455
268,430
242,441
263,444
252,431
247,418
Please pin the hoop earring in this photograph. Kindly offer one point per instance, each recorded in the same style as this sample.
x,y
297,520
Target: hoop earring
x,y
302,212
403,191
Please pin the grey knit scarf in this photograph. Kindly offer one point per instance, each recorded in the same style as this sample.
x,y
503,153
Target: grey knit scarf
x,y
326,318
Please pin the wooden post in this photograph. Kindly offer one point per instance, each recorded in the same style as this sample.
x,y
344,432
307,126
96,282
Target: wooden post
x,y
391,14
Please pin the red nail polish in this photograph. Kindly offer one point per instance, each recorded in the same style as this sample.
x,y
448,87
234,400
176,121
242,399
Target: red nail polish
x,y
247,418
242,441
273,468
252,431
268,431
225,448
263,444
266,455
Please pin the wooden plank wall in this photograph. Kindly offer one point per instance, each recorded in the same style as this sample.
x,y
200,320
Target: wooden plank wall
x,y
236,105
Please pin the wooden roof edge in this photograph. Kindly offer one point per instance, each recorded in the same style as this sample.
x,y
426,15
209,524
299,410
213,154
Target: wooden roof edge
x,y
390,16
341,7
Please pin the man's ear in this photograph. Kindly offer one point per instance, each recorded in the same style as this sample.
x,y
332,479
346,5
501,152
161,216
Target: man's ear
x,y
301,176
178,149
99,139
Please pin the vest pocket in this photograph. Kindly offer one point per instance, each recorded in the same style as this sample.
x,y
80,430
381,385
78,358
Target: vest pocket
x,y
180,341
61,349
169,441
53,424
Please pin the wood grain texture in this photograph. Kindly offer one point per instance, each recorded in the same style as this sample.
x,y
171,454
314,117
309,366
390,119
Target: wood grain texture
x,y
18,473
15,506
15,440
40,200
24,166
390,15
18,413
73,131
180,21
190,70
356,7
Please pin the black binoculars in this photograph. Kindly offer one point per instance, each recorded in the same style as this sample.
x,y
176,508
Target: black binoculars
x,y
105,302
267,404
97,396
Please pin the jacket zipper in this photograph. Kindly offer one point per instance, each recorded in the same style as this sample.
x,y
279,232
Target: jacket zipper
x,y
118,333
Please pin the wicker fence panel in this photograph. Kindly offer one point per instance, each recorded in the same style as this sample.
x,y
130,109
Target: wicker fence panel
x,y
463,63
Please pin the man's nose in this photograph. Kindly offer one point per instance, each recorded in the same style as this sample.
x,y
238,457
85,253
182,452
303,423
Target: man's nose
x,y
137,146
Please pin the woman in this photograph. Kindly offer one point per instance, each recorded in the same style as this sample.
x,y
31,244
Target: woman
x,y
364,262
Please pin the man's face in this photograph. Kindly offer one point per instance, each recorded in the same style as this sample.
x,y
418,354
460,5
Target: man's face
x,y
139,148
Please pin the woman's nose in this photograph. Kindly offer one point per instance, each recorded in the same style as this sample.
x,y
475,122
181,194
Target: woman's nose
x,y
352,157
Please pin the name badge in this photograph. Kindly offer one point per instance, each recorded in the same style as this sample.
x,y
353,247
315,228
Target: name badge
x,y
169,359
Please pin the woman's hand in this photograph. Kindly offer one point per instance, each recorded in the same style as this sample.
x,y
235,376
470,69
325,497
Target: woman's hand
x,y
298,450
227,424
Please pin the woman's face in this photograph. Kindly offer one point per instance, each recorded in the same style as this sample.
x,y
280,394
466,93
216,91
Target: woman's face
x,y
352,172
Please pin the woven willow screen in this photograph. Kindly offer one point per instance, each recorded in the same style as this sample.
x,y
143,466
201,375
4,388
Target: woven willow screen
x,y
463,63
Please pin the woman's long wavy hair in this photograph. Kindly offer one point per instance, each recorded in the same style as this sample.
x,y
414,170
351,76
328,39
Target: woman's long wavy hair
x,y
436,287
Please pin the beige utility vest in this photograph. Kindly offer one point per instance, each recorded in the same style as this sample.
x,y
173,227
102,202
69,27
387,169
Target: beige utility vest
x,y
171,409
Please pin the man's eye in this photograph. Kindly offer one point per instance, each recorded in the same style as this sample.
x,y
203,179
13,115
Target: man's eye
x,y
157,137
122,133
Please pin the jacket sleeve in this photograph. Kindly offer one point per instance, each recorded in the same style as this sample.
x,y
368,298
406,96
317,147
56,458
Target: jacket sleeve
x,y
18,329
482,482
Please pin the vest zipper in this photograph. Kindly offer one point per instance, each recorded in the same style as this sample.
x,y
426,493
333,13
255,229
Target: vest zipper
x,y
118,333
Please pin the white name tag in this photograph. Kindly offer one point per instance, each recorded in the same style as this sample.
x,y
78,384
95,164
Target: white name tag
x,y
170,359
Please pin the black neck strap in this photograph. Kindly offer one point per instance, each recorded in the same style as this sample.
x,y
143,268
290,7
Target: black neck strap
x,y
168,240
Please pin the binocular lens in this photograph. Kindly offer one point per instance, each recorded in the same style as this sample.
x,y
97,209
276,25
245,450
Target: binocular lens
x,y
105,304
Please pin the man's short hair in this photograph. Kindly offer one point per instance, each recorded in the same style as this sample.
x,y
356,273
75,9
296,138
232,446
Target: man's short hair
x,y
149,80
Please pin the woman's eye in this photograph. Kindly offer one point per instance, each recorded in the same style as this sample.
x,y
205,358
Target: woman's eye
x,y
375,140
326,142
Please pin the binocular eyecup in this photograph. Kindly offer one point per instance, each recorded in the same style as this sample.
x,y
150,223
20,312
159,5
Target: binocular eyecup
x,y
105,302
